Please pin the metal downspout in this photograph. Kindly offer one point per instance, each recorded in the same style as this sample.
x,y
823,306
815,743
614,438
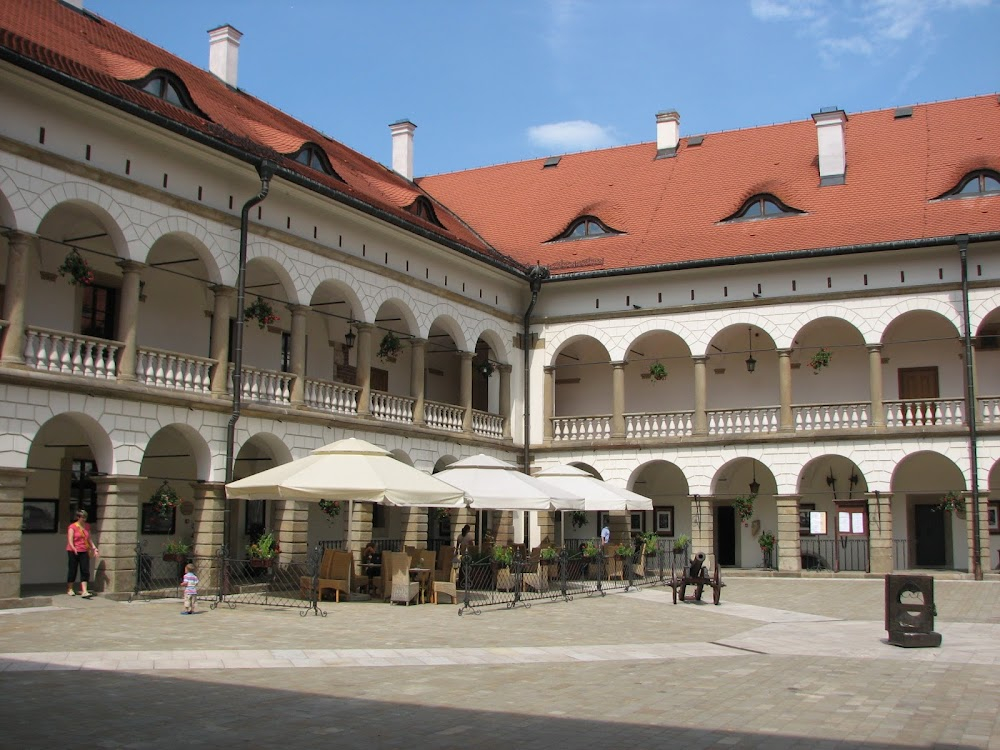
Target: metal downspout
x,y
266,171
536,276
970,407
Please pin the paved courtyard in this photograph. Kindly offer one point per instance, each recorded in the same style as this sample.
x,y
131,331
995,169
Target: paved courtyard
x,y
782,663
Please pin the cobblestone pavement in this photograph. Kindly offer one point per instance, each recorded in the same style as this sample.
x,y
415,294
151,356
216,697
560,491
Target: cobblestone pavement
x,y
782,663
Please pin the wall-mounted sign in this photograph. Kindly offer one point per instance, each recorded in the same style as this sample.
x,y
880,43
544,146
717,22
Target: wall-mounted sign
x,y
817,522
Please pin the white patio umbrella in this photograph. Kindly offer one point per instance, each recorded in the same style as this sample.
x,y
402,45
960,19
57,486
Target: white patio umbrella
x,y
492,484
351,470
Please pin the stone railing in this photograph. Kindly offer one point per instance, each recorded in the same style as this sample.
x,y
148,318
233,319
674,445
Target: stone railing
x,y
182,372
831,416
266,386
750,421
443,416
927,412
71,353
581,428
339,398
664,425
390,408
489,425
989,409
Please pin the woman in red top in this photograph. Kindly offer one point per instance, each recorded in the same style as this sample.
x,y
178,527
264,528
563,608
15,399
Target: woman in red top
x,y
78,547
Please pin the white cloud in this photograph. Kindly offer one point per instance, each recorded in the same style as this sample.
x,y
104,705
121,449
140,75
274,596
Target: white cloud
x,y
782,10
573,135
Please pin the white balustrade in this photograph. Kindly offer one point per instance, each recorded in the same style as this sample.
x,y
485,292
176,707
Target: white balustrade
x,y
831,416
339,398
390,408
182,372
928,412
484,423
581,428
665,425
265,386
70,353
989,410
751,421
443,416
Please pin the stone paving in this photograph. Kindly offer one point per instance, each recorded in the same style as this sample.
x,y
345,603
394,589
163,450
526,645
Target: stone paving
x,y
782,663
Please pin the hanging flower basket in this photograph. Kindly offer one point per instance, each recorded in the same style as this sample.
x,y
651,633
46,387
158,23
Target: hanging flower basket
x,y
261,311
76,268
389,347
953,502
164,500
578,518
330,507
438,514
486,368
744,508
766,541
657,371
820,360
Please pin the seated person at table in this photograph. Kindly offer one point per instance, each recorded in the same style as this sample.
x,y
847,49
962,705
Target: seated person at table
x,y
372,560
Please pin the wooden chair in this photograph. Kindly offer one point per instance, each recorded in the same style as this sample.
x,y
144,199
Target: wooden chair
x,y
403,589
446,587
535,578
339,579
612,565
445,556
306,582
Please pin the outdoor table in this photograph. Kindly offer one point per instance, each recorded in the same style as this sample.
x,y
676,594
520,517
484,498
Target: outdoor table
x,y
369,570
423,576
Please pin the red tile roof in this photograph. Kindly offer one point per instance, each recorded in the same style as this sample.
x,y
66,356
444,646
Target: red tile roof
x,y
670,209
100,55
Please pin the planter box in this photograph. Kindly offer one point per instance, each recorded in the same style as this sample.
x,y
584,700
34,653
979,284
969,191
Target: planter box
x,y
258,562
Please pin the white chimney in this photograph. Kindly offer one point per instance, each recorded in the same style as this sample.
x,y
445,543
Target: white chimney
x,y
224,53
402,147
830,140
668,133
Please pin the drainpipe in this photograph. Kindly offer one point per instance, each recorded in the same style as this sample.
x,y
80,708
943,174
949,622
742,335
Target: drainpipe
x,y
536,276
266,170
962,240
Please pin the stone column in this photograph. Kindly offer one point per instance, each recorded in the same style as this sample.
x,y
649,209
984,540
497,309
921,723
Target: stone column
x,y
618,400
208,518
875,385
548,403
548,520
128,318
298,353
504,528
15,294
417,375
700,396
359,527
364,368
505,400
880,552
116,532
620,526
221,313
415,527
12,484
465,390
702,525
291,528
984,531
787,534
785,422
462,516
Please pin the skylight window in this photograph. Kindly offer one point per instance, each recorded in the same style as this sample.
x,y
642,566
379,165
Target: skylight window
x,y
166,86
980,183
312,156
763,206
586,226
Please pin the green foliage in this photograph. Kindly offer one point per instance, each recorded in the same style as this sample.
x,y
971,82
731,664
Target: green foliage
x,y
953,501
681,543
265,548
261,311
164,500
657,371
590,548
330,507
649,543
76,268
766,541
389,347
744,507
503,555
548,554
820,360
624,550
578,518
176,547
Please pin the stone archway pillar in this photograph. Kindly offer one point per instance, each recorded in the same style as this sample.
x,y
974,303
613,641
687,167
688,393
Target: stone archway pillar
x,y
702,525
221,312
116,532
505,400
291,521
418,367
15,296
880,552
875,384
548,403
700,426
12,484
128,321
787,536
364,368
618,399
785,421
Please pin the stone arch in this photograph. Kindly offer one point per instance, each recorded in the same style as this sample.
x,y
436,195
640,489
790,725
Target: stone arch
x,y
274,444
8,219
979,310
98,438
576,332
402,300
494,339
938,455
201,454
282,266
199,238
838,312
667,325
402,456
927,304
110,213
450,324
736,318
443,463
819,463
344,282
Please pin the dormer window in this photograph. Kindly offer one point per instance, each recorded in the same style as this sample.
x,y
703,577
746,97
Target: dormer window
x,y
980,182
762,206
314,157
166,86
586,226
422,207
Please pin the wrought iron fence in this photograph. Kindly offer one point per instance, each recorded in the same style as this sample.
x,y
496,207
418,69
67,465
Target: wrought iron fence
x,y
847,553
226,580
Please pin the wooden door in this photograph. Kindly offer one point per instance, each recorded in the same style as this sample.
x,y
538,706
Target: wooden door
x,y
919,384
928,527
725,534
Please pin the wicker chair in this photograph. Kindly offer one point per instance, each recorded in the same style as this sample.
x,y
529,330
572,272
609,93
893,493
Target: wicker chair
x,y
403,589
306,582
339,579
535,578
446,587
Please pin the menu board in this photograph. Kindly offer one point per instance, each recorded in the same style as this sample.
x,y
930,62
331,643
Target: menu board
x,y
850,522
817,522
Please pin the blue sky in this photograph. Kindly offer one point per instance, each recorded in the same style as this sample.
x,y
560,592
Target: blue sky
x,y
493,81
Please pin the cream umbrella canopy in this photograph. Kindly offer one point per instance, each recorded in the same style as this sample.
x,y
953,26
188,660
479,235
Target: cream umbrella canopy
x,y
492,484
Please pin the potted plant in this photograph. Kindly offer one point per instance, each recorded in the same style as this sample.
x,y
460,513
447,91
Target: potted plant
x,y
820,360
389,347
624,551
766,543
681,543
331,508
263,551
76,268
548,555
502,556
261,311
590,548
176,551
164,500
578,518
649,546
486,368
744,508
953,501
657,371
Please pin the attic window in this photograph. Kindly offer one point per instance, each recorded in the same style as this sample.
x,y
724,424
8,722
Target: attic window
x,y
552,161
312,156
422,207
166,86
762,206
980,182
586,226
